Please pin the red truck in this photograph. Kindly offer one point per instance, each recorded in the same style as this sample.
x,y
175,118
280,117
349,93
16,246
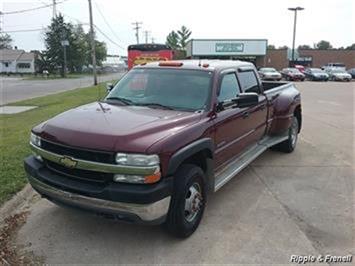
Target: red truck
x,y
166,135
145,53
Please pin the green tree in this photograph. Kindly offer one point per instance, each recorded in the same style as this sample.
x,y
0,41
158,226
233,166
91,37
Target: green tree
x,y
184,35
271,47
304,46
351,47
173,40
5,41
323,45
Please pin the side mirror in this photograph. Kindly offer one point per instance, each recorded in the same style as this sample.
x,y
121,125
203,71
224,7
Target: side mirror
x,y
247,99
109,87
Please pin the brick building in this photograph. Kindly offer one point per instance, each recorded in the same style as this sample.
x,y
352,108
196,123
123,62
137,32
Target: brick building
x,y
279,58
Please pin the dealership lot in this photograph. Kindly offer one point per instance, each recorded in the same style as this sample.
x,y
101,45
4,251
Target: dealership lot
x,y
281,205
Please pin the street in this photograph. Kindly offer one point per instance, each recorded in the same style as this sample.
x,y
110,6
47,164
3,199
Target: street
x,y
14,89
281,205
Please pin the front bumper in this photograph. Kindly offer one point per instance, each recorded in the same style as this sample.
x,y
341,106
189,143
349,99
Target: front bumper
x,y
148,204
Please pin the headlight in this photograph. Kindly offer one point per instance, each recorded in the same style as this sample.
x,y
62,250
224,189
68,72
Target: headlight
x,y
35,140
137,159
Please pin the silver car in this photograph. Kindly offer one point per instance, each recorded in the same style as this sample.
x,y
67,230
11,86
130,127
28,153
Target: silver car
x,y
339,75
269,73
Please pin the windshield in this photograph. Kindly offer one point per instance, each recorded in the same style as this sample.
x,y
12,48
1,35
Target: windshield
x,y
268,70
163,88
317,70
294,70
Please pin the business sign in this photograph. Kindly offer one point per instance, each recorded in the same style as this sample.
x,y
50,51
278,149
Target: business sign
x,y
226,47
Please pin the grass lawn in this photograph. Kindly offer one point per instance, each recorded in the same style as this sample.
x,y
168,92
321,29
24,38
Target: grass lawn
x,y
69,76
15,132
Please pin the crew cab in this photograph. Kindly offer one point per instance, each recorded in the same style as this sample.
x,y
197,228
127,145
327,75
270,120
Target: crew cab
x,y
166,136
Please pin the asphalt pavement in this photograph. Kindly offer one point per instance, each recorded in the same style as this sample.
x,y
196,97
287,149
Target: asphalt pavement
x,y
281,205
13,89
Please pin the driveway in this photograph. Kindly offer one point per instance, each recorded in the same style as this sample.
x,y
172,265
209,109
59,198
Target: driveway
x,y
281,205
17,89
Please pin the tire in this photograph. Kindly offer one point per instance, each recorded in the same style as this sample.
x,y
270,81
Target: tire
x,y
289,145
184,218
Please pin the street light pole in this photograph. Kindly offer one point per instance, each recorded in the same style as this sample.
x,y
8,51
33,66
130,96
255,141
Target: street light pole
x,y
294,9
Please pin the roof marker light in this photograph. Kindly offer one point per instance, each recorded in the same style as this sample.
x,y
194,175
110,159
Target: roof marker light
x,y
170,63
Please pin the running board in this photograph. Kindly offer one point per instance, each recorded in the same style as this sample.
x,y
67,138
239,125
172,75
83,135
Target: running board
x,y
242,161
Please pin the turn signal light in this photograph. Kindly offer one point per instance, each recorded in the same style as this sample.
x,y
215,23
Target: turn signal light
x,y
150,179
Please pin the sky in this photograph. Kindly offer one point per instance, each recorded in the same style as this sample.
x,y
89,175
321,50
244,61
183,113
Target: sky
x,y
331,20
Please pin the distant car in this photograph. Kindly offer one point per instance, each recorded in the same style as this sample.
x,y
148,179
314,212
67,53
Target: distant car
x,y
351,71
300,68
316,74
339,75
292,74
269,73
331,66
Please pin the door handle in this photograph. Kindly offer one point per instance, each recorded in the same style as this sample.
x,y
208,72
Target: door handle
x,y
245,114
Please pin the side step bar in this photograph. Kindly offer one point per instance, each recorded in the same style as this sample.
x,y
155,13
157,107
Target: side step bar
x,y
242,161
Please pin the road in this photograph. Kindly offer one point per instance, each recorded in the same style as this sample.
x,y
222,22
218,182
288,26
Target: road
x,y
17,89
283,204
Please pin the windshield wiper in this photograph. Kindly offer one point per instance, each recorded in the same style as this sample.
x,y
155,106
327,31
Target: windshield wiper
x,y
156,105
121,99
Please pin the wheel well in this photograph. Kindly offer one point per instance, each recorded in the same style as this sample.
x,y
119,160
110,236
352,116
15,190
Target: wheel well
x,y
298,114
199,159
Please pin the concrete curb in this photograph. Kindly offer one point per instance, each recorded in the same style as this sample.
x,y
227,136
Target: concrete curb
x,y
12,205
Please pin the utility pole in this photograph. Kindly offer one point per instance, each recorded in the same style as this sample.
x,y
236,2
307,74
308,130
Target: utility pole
x,y
93,50
152,39
137,26
294,9
54,9
146,33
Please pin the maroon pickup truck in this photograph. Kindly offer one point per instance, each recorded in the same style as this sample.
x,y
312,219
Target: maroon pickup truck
x,y
165,136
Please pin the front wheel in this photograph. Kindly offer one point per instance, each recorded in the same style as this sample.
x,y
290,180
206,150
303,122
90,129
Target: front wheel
x,y
289,145
188,201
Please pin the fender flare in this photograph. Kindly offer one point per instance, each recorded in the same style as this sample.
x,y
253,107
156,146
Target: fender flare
x,y
189,150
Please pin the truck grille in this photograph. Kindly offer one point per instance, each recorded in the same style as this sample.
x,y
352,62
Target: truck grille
x,y
88,155
91,176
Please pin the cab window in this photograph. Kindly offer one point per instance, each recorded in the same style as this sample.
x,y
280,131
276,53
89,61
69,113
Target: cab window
x,y
229,87
248,81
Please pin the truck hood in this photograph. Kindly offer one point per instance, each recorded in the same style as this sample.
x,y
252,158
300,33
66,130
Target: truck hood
x,y
109,127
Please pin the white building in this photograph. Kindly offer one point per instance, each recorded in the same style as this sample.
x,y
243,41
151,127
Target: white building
x,y
16,61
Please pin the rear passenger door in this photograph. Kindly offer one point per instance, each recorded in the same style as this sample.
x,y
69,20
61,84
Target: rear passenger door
x,y
255,117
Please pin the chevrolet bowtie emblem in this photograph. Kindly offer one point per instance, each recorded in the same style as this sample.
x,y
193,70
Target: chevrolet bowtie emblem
x,y
68,162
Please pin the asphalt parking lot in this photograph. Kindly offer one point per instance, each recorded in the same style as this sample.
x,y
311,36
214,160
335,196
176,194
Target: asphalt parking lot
x,y
282,205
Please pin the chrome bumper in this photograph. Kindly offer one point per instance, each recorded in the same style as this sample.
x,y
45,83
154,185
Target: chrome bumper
x,y
146,212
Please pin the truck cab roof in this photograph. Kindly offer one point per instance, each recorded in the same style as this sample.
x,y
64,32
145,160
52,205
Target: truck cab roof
x,y
197,64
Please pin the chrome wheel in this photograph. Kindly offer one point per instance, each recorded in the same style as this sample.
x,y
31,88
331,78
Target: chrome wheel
x,y
193,202
294,132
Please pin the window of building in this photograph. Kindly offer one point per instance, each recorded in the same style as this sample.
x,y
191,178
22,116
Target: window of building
x,y
23,65
229,87
248,81
6,64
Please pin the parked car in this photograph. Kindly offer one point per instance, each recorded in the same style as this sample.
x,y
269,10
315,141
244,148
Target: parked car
x,y
351,71
316,74
300,68
269,73
292,74
331,66
339,75
165,136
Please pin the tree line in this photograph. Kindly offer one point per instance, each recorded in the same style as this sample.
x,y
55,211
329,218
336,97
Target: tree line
x,y
321,45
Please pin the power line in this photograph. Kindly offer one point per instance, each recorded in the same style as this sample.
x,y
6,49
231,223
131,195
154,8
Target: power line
x,y
30,9
28,30
108,25
108,38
